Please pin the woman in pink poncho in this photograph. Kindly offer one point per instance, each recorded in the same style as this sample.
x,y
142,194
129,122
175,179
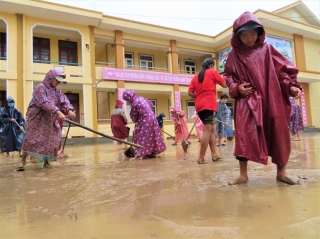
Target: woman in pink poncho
x,y
180,125
199,125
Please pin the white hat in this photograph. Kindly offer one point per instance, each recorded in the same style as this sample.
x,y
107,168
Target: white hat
x,y
61,79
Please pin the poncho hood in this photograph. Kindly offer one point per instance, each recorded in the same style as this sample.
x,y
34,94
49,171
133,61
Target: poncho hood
x,y
240,21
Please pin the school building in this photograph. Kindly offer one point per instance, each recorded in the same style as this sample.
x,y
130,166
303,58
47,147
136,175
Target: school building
x,y
103,55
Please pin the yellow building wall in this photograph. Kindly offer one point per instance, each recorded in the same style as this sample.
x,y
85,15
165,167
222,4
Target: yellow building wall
x,y
184,58
11,30
312,53
54,46
104,33
288,14
162,105
277,33
83,52
159,57
200,48
76,131
3,66
105,53
162,102
223,47
145,39
314,90
103,105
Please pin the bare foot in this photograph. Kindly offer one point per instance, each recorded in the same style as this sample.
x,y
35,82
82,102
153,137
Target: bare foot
x,y
216,157
201,161
239,180
285,179
136,158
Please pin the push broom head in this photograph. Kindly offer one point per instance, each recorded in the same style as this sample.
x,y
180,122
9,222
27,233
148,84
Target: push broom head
x,y
129,152
184,146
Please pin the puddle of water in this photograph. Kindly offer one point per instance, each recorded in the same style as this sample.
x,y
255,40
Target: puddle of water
x,y
98,193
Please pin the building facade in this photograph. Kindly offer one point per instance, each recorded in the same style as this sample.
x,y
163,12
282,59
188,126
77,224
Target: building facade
x,y
103,55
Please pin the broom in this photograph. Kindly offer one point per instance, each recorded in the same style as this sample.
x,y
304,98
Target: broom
x,y
129,152
184,143
167,134
102,134
61,155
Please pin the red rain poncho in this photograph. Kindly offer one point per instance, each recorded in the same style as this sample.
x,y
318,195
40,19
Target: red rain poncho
x,y
261,120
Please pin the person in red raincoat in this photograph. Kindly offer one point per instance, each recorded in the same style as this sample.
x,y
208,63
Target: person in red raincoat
x,y
260,80
119,123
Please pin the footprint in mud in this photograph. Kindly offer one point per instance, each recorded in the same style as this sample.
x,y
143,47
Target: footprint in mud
x,y
73,214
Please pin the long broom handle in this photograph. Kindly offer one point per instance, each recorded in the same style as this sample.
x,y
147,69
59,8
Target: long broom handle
x,y
193,126
167,133
65,140
102,134
19,126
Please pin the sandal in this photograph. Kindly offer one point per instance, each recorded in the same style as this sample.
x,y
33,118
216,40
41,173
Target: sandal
x,y
216,157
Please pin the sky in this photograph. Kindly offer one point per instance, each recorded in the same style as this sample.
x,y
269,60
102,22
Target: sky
x,y
205,17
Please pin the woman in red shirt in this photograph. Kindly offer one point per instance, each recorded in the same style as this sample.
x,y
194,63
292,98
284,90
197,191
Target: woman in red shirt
x,y
203,90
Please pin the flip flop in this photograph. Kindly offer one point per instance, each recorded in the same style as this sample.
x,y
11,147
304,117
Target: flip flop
x,y
218,145
223,144
202,162
20,169
236,182
286,180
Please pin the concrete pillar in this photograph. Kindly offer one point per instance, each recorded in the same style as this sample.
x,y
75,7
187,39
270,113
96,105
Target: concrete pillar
x,y
174,56
94,104
169,57
300,58
19,99
119,50
89,119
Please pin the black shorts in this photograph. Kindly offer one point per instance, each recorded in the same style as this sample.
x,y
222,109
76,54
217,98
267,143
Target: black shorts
x,y
207,116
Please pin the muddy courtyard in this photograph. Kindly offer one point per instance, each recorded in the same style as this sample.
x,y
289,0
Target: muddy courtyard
x,y
98,193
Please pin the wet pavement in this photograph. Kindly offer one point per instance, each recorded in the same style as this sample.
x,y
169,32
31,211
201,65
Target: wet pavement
x,y
98,193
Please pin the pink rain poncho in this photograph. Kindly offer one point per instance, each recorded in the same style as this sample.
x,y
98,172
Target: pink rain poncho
x,y
43,132
199,125
146,131
180,125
